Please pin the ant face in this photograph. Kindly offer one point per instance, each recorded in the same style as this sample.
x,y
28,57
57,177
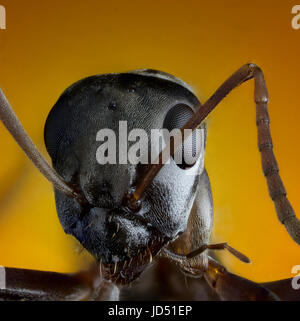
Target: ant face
x,y
123,241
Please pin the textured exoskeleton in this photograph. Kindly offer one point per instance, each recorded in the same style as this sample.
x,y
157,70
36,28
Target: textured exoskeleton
x,y
104,227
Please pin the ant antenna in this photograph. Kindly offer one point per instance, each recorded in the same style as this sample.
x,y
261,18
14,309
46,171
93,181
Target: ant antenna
x,y
277,192
13,125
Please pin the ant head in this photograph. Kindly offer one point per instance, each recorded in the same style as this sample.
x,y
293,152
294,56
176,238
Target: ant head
x,y
122,239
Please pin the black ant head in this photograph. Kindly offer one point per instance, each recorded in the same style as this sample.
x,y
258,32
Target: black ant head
x,y
124,241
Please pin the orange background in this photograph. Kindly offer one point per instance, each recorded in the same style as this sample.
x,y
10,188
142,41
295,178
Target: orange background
x,y
50,44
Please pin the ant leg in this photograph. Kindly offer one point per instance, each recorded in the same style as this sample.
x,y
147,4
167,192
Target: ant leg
x,y
283,289
204,247
21,284
219,246
32,285
13,125
232,287
228,286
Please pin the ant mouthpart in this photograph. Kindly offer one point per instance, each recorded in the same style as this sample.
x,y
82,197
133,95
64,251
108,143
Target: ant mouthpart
x,y
131,202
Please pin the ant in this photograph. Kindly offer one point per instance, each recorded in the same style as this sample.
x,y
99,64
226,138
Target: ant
x,y
127,215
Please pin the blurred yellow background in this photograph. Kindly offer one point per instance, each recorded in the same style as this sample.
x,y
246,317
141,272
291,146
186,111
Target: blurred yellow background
x,y
48,45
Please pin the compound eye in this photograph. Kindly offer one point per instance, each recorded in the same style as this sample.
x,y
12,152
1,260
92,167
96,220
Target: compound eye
x,y
55,127
191,150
